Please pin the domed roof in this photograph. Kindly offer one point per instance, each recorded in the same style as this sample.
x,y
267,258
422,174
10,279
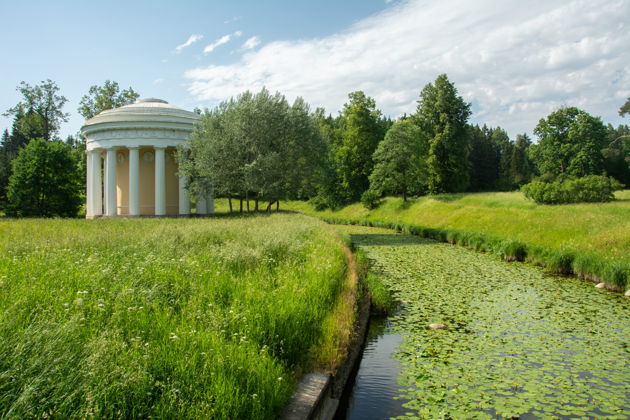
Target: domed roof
x,y
148,122
148,109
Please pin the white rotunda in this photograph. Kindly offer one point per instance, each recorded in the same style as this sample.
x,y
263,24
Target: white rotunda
x,y
131,165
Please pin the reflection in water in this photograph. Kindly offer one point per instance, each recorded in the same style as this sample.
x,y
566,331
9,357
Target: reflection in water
x,y
375,385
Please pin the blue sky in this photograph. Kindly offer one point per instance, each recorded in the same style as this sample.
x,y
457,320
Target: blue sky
x,y
514,61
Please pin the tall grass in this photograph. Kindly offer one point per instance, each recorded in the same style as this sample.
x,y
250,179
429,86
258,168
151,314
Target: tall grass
x,y
164,318
589,240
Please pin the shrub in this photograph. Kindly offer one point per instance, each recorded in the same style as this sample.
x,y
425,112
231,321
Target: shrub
x,y
371,199
590,189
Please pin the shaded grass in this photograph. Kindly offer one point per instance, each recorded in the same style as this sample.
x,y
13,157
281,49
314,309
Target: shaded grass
x,y
175,318
590,240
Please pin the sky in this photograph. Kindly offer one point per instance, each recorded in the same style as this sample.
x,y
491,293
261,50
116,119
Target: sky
x,y
514,61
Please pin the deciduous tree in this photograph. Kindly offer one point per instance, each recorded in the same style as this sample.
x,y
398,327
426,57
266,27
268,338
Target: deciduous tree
x,y
442,115
399,165
108,96
45,181
570,143
39,113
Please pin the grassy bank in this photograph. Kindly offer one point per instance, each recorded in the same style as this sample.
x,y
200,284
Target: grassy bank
x,y
589,240
166,318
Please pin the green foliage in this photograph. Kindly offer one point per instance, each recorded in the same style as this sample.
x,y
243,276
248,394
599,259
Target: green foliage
x,y
518,343
171,318
625,108
255,146
39,113
371,199
570,143
399,161
361,129
108,96
442,116
45,181
590,189
617,153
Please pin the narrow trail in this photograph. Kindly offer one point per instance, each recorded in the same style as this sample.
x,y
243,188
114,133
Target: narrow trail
x,y
518,343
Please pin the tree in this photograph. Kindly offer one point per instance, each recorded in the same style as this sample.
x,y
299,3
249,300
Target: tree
x,y
362,128
521,168
617,153
504,148
482,159
45,181
625,108
398,161
442,115
254,146
40,111
570,144
108,96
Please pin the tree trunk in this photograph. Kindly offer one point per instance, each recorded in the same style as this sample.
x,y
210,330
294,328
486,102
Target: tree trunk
x,y
230,201
256,207
278,205
247,199
404,194
268,209
241,205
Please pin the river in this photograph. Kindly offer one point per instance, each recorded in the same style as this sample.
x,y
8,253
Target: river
x,y
518,343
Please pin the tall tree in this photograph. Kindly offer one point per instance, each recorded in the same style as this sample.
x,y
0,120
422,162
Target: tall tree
x,y
617,153
39,112
45,181
108,96
504,148
399,165
482,159
442,115
362,128
570,143
521,168
254,146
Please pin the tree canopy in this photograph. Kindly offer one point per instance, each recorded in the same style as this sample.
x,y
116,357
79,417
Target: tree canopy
x,y
570,144
442,115
254,146
361,129
45,181
399,165
39,113
108,96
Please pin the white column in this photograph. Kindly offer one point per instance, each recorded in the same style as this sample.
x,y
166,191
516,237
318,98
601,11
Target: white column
x,y
97,183
184,201
134,181
201,205
160,182
89,200
210,202
110,183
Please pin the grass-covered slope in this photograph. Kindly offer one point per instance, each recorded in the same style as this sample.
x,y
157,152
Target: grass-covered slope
x,y
179,318
592,239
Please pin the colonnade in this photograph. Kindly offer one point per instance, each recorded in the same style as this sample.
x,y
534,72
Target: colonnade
x,y
102,184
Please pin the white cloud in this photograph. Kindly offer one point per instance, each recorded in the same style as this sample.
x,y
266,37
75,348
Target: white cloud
x,y
223,40
515,61
251,43
191,40
158,81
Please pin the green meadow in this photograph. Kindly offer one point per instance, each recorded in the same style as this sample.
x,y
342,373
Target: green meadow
x,y
167,318
591,240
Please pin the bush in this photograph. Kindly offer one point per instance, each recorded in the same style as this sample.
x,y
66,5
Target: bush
x,y
371,199
46,181
590,189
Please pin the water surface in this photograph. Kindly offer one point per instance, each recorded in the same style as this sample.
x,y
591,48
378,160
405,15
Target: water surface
x,y
519,343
